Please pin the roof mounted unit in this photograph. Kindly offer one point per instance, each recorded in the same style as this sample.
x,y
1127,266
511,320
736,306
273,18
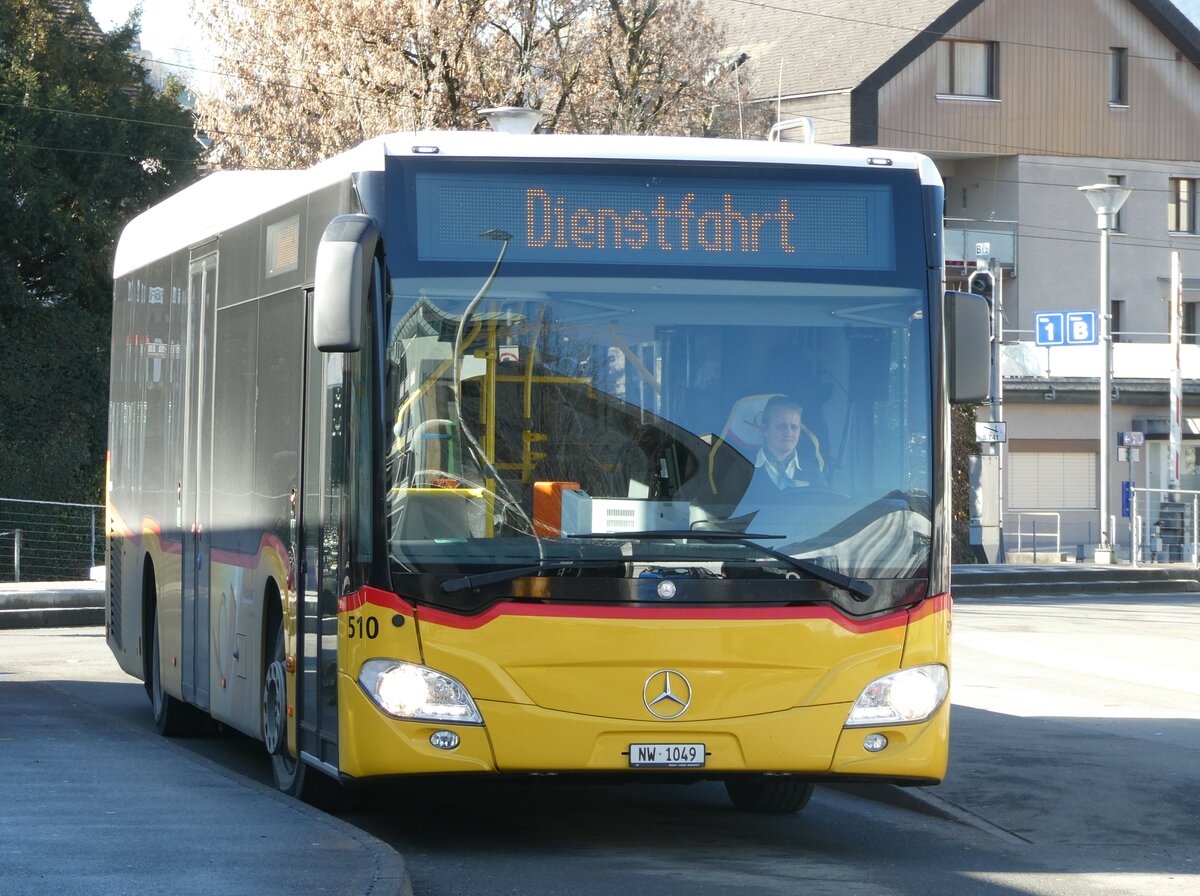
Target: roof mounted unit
x,y
514,119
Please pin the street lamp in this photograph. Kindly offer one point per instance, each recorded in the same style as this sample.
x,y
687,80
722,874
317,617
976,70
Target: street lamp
x,y
1106,200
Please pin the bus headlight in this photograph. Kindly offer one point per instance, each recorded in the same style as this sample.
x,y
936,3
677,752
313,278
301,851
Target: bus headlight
x,y
407,691
910,695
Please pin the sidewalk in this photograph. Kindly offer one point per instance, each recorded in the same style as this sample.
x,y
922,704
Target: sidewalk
x,y
51,604
92,807
1063,579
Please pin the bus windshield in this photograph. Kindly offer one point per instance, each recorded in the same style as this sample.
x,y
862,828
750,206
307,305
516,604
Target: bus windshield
x,y
646,421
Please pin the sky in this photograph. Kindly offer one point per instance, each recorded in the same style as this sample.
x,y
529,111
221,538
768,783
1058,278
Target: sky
x,y
1191,9
168,34
165,23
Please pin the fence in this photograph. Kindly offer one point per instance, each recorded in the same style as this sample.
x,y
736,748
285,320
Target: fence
x,y
49,541
1038,530
1162,526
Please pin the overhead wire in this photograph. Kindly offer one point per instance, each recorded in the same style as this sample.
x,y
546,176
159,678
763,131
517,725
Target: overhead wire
x,y
91,152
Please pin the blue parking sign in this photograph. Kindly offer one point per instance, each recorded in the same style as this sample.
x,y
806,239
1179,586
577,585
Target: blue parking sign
x,y
1049,326
1067,328
1081,328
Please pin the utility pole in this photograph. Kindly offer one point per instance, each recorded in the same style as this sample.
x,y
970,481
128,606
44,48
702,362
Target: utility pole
x,y
987,480
997,414
1176,440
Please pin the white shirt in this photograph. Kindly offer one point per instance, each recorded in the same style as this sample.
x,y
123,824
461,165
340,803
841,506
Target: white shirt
x,y
787,473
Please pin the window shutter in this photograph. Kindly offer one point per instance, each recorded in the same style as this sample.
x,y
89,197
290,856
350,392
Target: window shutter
x,y
1048,480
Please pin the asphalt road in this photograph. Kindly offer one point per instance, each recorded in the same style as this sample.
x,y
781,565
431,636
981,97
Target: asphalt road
x,y
1075,769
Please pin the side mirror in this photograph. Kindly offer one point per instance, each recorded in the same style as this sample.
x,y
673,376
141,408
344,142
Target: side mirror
x,y
343,274
968,347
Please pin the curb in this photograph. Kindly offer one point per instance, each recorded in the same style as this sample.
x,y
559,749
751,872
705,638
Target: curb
x,y
391,876
51,605
52,617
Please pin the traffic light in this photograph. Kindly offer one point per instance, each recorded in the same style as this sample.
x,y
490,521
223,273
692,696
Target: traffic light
x,y
983,284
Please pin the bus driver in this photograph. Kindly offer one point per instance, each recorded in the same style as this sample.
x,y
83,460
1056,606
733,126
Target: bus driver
x,y
783,459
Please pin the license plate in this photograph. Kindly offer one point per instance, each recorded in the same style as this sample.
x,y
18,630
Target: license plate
x,y
666,755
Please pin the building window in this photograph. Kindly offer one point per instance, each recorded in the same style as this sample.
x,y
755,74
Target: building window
x,y
1188,336
1181,205
1052,480
966,68
1118,80
1118,180
1118,320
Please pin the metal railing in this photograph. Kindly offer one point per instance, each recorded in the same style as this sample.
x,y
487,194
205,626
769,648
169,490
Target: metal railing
x,y
1162,526
49,540
1027,527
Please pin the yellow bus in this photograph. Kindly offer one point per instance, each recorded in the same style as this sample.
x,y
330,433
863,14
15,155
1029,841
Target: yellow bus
x,y
494,453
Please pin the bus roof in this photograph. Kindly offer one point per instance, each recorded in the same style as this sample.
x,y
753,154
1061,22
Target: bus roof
x,y
224,199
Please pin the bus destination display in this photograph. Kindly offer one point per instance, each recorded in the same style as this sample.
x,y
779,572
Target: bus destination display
x,y
666,221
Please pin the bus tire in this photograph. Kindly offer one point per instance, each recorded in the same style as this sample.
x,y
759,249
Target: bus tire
x,y
287,770
172,717
291,774
775,794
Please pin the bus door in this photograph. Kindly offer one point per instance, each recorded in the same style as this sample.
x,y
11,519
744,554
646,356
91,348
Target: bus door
x,y
195,489
321,555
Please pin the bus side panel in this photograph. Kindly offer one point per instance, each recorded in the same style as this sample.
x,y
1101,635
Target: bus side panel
x,y
122,555
166,551
256,473
244,443
234,590
278,437
168,561
254,453
144,448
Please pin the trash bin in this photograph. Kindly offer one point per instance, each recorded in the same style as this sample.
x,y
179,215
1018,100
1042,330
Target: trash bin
x,y
1170,525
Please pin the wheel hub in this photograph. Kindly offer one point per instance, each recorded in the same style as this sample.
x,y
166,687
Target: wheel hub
x,y
274,709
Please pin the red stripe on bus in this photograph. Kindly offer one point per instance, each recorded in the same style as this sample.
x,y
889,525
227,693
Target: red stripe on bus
x,y
377,597
939,603
172,543
722,614
390,601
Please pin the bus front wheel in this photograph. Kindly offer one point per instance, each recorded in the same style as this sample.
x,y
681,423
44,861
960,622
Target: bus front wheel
x,y
291,774
776,794
287,770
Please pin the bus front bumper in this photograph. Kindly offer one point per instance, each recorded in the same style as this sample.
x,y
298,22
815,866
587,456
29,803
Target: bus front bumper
x,y
523,738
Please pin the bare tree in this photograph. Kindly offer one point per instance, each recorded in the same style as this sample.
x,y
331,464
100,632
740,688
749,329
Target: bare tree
x,y
302,79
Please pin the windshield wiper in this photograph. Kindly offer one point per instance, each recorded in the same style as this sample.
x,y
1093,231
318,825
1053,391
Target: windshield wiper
x,y
665,534
857,588
496,577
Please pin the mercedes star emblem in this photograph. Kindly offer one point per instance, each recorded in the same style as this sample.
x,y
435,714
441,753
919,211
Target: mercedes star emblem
x,y
667,694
